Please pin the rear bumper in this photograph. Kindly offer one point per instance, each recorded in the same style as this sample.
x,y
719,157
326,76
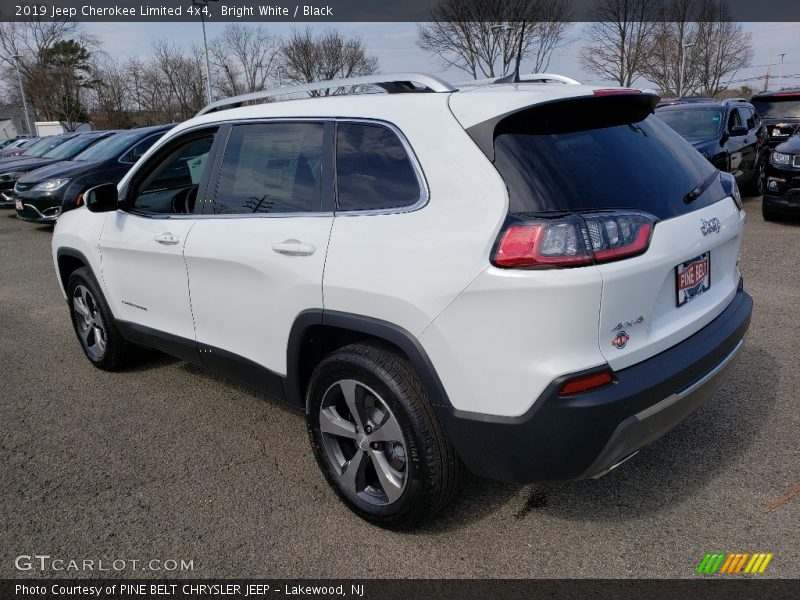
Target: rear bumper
x,y
586,435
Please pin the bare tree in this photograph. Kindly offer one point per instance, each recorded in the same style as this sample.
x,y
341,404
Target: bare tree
x,y
306,58
620,37
482,37
183,76
723,46
700,36
244,59
113,102
671,64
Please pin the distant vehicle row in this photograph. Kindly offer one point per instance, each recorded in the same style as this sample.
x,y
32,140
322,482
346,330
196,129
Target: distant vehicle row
x,y
52,175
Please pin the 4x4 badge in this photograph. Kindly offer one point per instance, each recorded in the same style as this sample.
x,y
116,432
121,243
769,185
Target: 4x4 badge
x,y
711,226
624,324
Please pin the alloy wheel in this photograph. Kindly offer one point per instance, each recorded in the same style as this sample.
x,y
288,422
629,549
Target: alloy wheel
x,y
363,441
89,323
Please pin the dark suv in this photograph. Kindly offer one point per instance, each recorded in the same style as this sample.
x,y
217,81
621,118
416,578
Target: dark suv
x,y
729,133
780,112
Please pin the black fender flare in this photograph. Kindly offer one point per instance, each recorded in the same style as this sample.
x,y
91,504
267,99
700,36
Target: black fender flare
x,y
376,328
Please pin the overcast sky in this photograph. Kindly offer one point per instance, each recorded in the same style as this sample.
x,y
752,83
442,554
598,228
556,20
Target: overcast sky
x,y
395,46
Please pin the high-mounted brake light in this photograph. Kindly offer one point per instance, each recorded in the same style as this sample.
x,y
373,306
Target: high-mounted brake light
x,y
616,92
584,383
573,240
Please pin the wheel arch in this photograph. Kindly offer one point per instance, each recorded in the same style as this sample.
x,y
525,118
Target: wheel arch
x,y
316,333
69,260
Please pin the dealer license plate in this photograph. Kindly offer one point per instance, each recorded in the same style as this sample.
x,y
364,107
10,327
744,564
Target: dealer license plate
x,y
692,278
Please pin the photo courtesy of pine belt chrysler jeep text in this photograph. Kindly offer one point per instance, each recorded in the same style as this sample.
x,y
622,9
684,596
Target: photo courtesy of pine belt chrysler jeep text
x,y
530,279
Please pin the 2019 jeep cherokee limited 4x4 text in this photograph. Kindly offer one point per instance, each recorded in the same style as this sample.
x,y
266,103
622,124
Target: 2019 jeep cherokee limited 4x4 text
x,y
533,280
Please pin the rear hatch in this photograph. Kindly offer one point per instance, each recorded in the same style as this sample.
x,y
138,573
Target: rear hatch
x,y
780,113
617,190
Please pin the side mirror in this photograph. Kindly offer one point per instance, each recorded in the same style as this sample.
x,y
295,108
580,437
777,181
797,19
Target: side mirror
x,y
101,198
739,131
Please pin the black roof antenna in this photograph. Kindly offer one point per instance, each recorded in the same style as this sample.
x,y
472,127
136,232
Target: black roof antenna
x,y
514,77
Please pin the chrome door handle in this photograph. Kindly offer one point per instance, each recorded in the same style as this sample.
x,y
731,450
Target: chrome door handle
x,y
167,239
294,248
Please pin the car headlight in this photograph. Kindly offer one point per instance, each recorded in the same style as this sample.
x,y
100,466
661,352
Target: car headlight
x,y
7,177
50,185
779,158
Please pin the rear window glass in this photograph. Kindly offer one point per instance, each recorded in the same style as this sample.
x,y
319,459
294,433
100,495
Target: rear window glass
x,y
778,108
599,153
696,123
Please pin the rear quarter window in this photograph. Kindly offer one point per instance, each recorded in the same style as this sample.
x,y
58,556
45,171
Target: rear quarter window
x,y
373,169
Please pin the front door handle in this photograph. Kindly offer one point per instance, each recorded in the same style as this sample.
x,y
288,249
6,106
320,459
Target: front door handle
x,y
294,248
167,239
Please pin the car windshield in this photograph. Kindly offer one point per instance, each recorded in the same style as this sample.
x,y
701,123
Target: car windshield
x,y
72,147
44,145
695,123
599,154
777,107
110,147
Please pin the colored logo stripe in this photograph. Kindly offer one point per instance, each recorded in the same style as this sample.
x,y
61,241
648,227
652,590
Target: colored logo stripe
x,y
734,563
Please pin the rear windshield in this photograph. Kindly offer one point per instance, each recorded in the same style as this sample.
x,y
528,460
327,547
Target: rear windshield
x,y
695,123
777,107
599,153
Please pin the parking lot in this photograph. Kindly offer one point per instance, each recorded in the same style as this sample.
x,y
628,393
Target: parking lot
x,y
165,461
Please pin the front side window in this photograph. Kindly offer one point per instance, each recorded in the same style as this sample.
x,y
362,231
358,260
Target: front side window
x,y
373,170
171,186
271,168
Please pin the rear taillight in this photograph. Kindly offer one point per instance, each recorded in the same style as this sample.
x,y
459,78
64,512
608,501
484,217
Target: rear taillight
x,y
573,240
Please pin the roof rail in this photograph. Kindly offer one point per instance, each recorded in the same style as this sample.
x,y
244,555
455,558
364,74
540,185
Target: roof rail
x,y
530,78
393,84
736,100
545,77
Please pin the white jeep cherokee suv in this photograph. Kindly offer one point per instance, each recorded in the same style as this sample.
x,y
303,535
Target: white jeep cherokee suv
x,y
531,279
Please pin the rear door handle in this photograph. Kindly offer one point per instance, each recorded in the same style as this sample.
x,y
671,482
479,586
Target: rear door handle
x,y
167,239
294,248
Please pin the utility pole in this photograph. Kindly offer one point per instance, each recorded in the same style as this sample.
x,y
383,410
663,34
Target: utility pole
x,y
682,83
204,5
766,79
28,126
780,73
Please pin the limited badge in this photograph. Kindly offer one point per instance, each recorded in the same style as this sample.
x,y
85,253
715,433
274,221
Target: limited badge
x,y
620,340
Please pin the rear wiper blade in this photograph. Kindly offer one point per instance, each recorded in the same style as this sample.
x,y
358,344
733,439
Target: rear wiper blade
x,y
698,191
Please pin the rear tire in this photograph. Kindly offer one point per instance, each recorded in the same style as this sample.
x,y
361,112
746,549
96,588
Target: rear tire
x,y
376,438
94,324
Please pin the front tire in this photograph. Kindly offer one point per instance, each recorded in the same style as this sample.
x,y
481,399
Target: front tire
x,y
376,438
94,324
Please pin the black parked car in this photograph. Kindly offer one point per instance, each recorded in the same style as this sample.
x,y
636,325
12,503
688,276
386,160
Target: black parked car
x,y
780,112
782,196
729,133
10,172
43,194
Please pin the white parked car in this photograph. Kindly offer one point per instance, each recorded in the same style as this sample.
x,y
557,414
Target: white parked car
x,y
530,279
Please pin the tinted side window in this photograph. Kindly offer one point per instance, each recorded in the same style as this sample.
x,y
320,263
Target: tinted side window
x,y
373,171
171,187
139,149
751,120
734,120
271,168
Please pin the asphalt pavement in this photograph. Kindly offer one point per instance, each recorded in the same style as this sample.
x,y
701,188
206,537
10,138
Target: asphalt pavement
x,y
165,462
